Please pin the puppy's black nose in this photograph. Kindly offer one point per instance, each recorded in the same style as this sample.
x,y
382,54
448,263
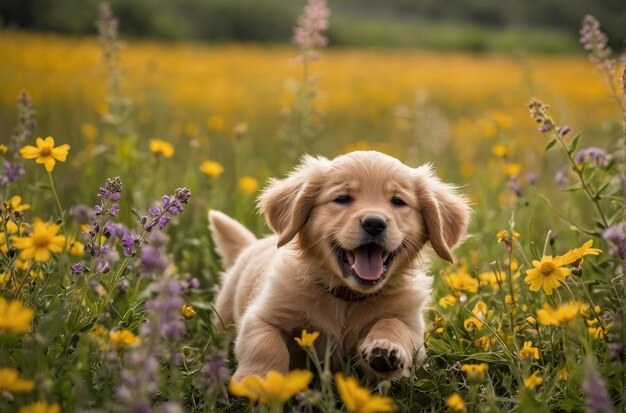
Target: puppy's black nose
x,y
373,224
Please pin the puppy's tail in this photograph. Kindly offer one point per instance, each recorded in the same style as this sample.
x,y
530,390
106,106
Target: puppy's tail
x,y
230,237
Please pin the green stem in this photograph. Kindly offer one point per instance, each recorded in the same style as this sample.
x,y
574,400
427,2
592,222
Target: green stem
x,y
582,181
56,196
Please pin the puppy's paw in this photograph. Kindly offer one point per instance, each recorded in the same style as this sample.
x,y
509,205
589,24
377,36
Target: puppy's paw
x,y
387,359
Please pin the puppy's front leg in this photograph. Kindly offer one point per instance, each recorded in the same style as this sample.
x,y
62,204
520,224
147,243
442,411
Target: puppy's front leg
x,y
388,348
259,348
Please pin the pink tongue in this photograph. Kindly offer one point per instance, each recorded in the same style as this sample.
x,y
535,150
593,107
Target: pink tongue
x,y
368,263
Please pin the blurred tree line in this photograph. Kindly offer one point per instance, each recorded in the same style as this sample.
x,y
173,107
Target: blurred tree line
x,y
354,22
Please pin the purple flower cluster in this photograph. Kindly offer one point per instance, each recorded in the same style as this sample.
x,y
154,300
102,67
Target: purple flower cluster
x,y
172,206
23,131
307,34
594,388
592,154
138,382
616,235
165,319
595,41
215,370
13,172
109,196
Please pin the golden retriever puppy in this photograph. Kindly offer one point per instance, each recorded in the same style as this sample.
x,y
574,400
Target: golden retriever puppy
x,y
346,260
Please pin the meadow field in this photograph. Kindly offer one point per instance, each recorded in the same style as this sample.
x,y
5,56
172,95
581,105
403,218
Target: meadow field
x,y
107,283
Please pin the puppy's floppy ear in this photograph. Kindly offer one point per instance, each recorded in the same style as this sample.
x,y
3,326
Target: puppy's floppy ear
x,y
287,203
446,213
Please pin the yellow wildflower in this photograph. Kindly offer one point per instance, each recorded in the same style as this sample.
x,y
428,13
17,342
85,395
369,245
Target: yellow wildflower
x,y
547,274
275,388
123,338
456,402
500,150
307,339
438,325
40,407
41,242
462,281
248,184
512,169
215,122
503,120
560,315
89,131
503,235
3,149
10,381
528,351
192,128
212,169
359,399
99,332
159,146
471,324
563,374
491,278
576,255
531,382
76,248
475,371
597,331
188,311
585,310
45,153
14,317
15,204
447,300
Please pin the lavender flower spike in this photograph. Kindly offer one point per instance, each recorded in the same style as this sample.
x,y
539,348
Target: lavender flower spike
x,y
307,35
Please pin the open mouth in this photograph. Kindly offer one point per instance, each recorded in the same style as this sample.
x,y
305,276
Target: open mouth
x,y
368,263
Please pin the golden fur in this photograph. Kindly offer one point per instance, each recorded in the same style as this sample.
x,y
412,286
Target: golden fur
x,y
274,287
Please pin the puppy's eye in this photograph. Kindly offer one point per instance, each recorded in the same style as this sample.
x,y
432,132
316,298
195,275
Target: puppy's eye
x,y
343,200
397,201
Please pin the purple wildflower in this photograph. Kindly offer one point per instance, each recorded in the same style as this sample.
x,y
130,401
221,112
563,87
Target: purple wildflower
x,y
77,268
13,172
193,283
171,206
594,388
307,34
515,186
531,178
594,40
614,234
138,381
594,154
151,260
166,319
561,179
130,242
215,370
109,195
616,351
82,214
563,130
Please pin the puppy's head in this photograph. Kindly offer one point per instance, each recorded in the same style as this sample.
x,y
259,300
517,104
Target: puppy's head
x,y
364,217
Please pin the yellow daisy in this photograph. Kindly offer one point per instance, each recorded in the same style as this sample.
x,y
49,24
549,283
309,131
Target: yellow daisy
x,y
359,399
45,153
41,242
547,274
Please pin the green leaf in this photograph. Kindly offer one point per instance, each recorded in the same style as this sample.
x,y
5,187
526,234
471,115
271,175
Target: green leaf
x,y
576,187
597,196
574,144
550,145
